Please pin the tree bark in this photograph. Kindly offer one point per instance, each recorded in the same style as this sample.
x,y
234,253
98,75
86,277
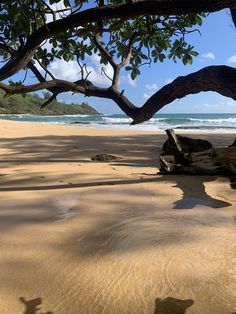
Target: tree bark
x,y
178,152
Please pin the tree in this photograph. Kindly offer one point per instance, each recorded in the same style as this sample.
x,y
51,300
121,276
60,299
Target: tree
x,y
124,33
46,95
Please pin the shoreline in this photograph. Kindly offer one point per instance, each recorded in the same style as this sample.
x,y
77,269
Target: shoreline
x,y
186,124
82,128
78,236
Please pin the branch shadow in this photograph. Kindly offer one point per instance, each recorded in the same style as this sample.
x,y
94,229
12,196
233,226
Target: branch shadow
x,y
38,149
76,185
138,150
233,182
33,306
195,194
171,305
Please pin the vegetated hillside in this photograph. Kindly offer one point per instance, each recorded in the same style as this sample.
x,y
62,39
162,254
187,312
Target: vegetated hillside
x,y
30,104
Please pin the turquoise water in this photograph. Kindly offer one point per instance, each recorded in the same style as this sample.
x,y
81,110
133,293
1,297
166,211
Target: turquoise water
x,y
205,122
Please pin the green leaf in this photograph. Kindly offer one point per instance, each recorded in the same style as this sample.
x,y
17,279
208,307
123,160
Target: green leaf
x,y
67,3
194,53
161,57
128,68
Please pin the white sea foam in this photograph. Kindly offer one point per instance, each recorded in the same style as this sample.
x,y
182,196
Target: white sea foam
x,y
213,121
76,115
182,122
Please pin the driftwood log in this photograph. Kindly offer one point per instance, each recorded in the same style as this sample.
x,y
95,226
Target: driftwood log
x,y
212,161
189,145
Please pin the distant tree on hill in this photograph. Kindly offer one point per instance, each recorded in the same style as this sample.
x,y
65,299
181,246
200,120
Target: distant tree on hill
x,y
123,34
46,95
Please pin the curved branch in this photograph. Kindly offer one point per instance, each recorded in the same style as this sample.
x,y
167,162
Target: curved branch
x,y
48,101
126,10
233,15
220,79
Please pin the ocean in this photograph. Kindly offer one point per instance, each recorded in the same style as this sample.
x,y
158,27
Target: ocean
x,y
191,122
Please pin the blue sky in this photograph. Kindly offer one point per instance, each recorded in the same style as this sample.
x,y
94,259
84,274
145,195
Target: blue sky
x,y
216,45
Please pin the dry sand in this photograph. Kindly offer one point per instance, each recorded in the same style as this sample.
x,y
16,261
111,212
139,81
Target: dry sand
x,y
80,237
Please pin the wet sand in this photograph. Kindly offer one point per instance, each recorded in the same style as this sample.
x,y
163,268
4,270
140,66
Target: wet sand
x,y
83,237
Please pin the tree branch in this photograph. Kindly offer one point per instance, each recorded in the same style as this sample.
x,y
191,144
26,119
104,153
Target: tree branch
x,y
125,10
48,101
220,79
60,86
129,54
110,59
104,52
233,15
65,86
44,68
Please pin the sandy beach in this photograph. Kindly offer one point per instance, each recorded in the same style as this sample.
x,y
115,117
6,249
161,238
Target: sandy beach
x,y
80,237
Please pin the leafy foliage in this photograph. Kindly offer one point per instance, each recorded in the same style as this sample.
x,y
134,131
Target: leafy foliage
x,y
153,38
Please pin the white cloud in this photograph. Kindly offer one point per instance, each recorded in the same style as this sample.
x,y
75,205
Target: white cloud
x,y
229,103
209,56
169,80
225,104
207,105
124,79
151,87
55,7
146,96
232,59
70,70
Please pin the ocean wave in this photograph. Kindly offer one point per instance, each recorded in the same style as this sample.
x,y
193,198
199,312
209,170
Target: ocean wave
x,y
78,115
197,122
113,120
223,120
116,120
170,120
205,127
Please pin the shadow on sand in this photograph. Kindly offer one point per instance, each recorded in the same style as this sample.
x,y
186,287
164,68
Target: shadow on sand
x,y
195,194
172,306
233,184
192,194
137,151
33,306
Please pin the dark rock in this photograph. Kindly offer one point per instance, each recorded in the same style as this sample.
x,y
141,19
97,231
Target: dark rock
x,y
79,122
104,157
189,145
